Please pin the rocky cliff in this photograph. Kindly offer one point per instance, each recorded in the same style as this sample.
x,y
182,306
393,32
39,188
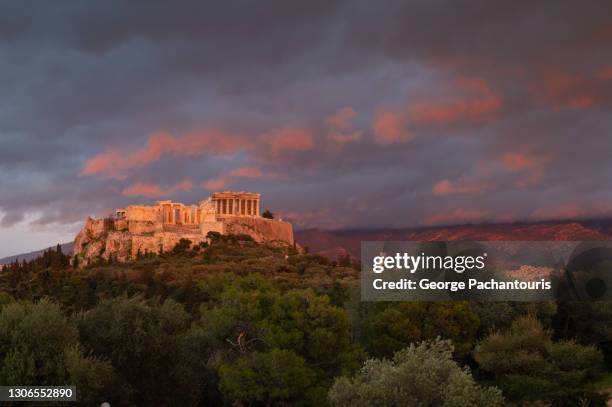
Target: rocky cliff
x,y
124,240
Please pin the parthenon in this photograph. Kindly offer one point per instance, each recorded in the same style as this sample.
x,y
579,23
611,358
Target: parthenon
x,y
236,203
221,205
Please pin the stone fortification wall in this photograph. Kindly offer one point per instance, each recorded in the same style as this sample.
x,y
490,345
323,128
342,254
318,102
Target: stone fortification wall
x,y
142,213
260,229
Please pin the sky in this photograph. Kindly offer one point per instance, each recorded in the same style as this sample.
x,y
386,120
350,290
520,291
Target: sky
x,y
342,114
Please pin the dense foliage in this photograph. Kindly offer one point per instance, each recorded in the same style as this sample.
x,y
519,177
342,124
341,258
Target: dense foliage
x,y
419,375
528,365
233,322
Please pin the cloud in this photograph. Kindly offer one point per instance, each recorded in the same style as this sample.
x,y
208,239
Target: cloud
x,y
390,128
342,119
604,74
561,89
229,178
455,217
341,127
447,187
479,107
117,163
572,210
154,190
289,140
530,166
472,101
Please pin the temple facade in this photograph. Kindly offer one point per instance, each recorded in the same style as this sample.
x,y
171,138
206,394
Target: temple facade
x,y
220,205
236,203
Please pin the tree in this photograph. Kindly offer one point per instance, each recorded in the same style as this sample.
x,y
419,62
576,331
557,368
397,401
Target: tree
x,y
267,214
419,375
495,316
279,375
40,346
588,322
393,326
145,343
251,320
181,246
527,365
213,236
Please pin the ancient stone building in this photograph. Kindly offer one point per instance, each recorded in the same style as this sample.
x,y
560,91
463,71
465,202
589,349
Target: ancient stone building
x,y
155,228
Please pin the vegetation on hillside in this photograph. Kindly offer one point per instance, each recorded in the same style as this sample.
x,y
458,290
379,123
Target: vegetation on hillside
x,y
234,322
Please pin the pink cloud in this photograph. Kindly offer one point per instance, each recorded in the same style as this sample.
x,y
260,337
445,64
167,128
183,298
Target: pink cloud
x,y
109,163
530,166
289,140
154,190
563,90
343,138
479,107
342,119
604,74
232,176
141,189
117,164
216,184
248,172
473,101
447,187
390,128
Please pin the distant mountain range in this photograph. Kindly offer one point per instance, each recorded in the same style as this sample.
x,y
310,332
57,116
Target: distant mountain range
x,y
340,242
334,243
67,248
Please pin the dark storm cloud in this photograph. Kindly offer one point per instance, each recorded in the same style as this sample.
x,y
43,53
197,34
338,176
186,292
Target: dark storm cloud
x,y
453,110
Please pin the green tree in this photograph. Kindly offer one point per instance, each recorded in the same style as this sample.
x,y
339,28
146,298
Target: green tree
x,y
39,346
588,323
267,214
279,375
145,343
527,365
424,374
181,246
496,316
393,326
250,315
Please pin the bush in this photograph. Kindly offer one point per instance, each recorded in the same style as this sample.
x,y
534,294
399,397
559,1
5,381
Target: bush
x,y
527,365
393,326
181,246
419,375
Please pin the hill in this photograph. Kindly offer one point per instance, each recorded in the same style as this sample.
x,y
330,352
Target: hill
x,y
334,243
67,248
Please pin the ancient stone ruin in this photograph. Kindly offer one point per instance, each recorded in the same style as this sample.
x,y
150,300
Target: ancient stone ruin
x,y
141,229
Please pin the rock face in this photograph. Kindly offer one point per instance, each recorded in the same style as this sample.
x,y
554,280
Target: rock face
x,y
124,240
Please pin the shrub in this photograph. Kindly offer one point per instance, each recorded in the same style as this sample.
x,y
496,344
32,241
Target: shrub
x,y
527,365
419,375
